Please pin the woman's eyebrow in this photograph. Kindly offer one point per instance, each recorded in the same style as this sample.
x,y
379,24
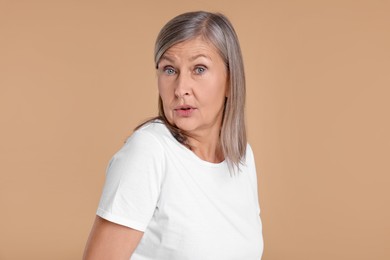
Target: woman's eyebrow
x,y
169,59
199,56
165,57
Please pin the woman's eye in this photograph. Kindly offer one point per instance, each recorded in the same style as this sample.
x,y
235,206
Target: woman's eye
x,y
169,71
200,70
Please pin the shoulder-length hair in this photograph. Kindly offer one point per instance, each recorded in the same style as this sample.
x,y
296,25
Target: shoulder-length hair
x,y
217,29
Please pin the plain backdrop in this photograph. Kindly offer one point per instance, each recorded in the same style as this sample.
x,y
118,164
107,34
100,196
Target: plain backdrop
x,y
77,76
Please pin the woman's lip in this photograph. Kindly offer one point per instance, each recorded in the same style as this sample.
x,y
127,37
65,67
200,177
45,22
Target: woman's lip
x,y
184,107
185,111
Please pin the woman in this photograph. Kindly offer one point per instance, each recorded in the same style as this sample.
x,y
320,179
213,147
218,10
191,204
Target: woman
x,y
184,184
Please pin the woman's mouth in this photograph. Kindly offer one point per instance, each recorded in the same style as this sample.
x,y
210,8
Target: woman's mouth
x,y
184,111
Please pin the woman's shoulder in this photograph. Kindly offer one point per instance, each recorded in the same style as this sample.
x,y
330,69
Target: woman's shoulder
x,y
249,160
150,135
153,126
144,142
154,129
249,152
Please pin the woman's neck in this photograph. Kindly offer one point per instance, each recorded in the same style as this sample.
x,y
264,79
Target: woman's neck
x,y
208,148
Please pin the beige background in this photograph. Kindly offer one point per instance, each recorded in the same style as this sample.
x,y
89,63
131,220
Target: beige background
x,y
77,76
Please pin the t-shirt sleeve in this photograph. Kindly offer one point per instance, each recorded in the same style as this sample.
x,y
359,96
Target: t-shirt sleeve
x,y
133,181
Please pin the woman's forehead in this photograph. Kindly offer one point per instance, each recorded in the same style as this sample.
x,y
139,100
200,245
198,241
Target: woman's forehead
x,y
192,49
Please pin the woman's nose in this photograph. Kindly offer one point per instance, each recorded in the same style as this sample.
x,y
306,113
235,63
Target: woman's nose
x,y
183,86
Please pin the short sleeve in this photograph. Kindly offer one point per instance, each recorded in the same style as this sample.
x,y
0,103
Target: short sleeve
x,y
133,182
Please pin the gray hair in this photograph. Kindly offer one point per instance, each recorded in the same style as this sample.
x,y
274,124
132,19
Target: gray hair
x,y
217,29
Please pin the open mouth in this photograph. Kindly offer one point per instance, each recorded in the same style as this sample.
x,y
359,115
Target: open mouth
x,y
185,111
184,107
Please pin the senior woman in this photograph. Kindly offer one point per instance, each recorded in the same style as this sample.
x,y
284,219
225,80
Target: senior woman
x,y
184,184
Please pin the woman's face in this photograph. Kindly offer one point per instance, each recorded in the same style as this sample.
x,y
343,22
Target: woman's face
x,y
193,85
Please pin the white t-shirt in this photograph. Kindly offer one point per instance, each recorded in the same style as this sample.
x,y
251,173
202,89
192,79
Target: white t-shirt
x,y
188,209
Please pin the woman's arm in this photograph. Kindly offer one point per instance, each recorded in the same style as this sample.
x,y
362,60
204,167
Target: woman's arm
x,y
108,240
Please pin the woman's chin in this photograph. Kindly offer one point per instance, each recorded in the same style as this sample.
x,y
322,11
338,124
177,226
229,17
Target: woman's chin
x,y
185,125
